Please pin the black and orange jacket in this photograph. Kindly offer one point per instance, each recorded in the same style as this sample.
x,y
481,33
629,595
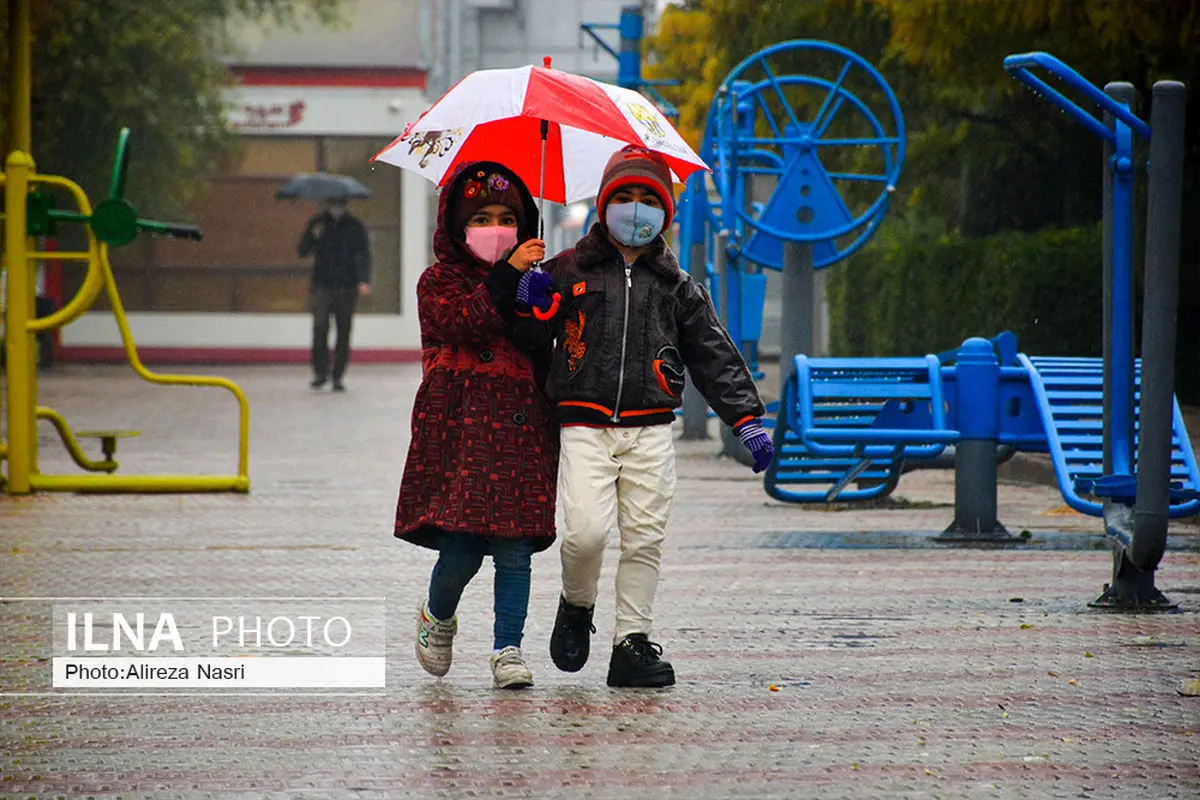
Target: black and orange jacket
x,y
625,335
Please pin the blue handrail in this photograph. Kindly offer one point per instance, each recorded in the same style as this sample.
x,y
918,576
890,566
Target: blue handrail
x,y
1019,64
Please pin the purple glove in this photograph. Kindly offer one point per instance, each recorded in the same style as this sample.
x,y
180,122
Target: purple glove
x,y
535,289
757,442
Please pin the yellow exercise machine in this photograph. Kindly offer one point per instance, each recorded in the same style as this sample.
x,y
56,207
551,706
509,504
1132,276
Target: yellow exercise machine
x,y
29,212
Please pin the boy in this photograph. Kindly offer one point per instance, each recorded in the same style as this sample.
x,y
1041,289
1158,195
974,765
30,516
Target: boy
x,y
629,322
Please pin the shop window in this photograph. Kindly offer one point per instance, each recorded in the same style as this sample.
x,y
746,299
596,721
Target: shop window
x,y
247,261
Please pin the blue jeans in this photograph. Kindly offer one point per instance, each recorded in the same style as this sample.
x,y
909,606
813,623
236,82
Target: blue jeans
x,y
460,558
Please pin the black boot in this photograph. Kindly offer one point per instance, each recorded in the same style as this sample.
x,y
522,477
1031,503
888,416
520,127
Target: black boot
x,y
637,661
572,636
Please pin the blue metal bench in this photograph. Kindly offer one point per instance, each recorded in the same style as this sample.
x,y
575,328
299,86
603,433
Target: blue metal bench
x,y
857,421
867,421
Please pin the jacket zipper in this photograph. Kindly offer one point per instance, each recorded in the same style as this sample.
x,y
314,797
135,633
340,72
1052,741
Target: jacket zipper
x,y
616,417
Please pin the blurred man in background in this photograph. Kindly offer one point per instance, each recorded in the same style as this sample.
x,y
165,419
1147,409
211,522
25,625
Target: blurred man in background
x,y
341,274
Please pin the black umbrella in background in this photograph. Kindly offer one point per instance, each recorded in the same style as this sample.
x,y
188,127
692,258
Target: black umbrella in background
x,y
318,186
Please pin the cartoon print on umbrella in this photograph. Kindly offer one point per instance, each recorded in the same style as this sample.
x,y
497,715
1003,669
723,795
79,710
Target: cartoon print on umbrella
x,y
640,113
430,144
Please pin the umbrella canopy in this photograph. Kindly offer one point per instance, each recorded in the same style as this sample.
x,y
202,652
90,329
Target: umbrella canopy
x,y
318,186
506,115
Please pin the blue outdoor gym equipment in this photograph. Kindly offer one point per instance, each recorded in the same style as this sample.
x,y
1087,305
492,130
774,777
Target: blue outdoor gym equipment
x,y
816,215
1111,425
631,28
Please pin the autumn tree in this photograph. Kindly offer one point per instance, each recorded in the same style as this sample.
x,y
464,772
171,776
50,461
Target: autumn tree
x,y
985,155
699,43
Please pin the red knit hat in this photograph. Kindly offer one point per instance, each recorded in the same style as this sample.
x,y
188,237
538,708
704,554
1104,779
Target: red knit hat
x,y
636,166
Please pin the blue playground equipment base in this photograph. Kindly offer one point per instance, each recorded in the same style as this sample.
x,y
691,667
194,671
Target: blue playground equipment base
x,y
848,427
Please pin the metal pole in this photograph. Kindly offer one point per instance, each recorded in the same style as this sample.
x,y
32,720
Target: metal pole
x,y
18,344
731,445
20,136
720,267
1139,533
695,407
629,58
1160,306
20,449
977,372
1123,93
799,303
1120,361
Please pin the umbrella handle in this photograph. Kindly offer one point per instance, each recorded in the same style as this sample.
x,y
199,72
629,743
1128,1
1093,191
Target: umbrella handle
x,y
549,313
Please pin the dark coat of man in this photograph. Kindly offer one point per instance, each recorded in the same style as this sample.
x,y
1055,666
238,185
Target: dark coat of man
x,y
342,255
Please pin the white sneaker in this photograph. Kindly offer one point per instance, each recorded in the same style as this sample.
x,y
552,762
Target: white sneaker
x,y
435,641
509,670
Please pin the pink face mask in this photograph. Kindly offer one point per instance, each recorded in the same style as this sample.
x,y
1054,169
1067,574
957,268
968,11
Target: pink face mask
x,y
491,242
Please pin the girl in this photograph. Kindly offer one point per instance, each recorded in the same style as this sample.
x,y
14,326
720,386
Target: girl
x,y
483,462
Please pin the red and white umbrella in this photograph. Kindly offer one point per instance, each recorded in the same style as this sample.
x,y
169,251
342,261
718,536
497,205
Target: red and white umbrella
x,y
528,117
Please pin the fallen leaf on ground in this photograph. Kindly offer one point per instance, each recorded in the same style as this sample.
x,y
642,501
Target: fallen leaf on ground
x,y
1025,626
1190,688
1086,654
1062,511
773,688
1073,682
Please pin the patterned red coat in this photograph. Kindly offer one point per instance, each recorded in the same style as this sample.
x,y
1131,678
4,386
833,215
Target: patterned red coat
x,y
484,450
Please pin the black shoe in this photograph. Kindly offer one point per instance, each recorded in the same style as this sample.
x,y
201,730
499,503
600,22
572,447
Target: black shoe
x,y
572,636
338,386
317,383
637,661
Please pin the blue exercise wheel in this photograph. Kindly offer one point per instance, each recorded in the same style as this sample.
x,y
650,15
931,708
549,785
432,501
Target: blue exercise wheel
x,y
825,129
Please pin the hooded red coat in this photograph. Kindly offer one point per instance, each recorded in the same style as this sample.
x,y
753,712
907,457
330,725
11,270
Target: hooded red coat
x,y
484,452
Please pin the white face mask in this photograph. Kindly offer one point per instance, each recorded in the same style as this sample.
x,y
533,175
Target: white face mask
x,y
337,212
634,224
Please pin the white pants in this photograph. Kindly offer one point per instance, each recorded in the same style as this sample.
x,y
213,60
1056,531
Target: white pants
x,y
623,477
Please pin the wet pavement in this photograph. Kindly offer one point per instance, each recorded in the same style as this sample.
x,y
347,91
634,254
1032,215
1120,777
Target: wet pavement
x,y
823,652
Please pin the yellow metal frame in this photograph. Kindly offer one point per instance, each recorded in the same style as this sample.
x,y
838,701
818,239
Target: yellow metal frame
x,y
21,326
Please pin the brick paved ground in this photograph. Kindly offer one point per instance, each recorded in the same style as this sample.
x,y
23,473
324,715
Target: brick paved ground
x,y
903,672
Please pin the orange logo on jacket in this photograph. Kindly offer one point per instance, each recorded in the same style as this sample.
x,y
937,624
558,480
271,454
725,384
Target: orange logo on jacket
x,y
574,341
579,288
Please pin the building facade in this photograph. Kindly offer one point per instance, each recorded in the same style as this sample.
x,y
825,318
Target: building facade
x,y
321,98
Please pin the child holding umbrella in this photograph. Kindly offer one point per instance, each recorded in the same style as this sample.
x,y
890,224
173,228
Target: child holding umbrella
x,y
482,464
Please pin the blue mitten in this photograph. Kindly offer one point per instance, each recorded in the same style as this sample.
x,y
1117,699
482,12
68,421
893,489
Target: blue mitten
x,y
536,289
757,442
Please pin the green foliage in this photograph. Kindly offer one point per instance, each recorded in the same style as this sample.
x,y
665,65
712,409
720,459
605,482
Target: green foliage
x,y
917,289
985,155
699,43
156,68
